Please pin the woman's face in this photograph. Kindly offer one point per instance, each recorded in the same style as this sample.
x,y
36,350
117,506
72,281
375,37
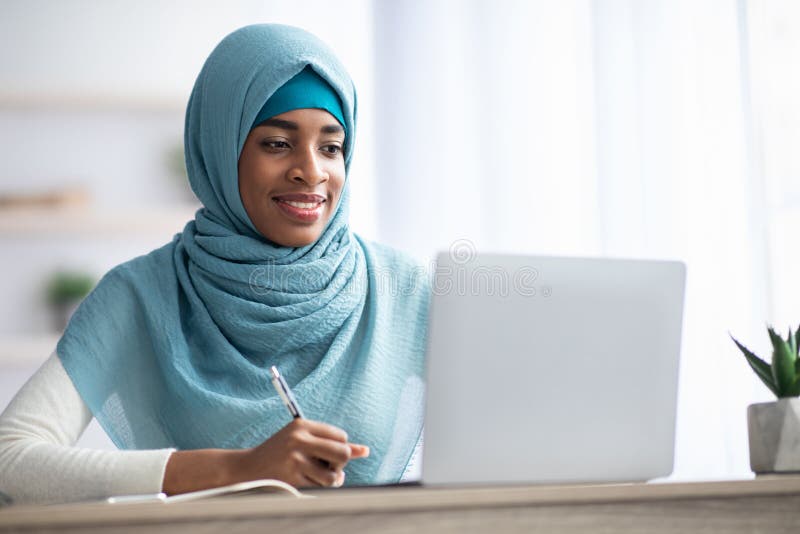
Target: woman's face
x,y
291,175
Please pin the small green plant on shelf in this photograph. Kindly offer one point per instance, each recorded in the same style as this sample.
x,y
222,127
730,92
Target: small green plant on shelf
x,y
64,291
782,374
68,287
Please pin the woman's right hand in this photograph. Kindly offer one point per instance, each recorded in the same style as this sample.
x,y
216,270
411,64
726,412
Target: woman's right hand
x,y
303,453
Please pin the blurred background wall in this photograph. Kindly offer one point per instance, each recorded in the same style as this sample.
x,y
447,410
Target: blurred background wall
x,y
658,129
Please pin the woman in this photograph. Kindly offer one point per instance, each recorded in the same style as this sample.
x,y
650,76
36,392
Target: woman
x,y
171,351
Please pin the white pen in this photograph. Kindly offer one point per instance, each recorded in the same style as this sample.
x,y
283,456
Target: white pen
x,y
285,393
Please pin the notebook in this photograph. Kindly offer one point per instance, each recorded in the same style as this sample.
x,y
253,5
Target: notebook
x,y
241,488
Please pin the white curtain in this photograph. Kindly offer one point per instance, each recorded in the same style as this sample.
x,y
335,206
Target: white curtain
x,y
605,128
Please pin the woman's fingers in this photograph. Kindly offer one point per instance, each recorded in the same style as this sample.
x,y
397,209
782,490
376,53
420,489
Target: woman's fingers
x,y
358,451
329,444
304,453
324,430
320,475
334,453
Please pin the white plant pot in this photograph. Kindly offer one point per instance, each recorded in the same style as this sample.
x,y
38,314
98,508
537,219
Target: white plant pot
x,y
774,431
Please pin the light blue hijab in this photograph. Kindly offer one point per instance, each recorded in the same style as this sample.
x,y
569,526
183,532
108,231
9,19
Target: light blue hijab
x,y
172,348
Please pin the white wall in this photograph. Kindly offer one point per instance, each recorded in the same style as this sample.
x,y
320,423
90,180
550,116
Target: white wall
x,y
152,48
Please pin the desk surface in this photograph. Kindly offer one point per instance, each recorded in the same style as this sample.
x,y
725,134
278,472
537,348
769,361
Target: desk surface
x,y
768,504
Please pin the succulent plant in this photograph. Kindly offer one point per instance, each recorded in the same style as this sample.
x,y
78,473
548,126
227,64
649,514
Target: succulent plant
x,y
782,376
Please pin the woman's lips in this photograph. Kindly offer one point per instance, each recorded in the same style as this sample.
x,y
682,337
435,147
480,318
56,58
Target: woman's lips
x,y
301,197
301,211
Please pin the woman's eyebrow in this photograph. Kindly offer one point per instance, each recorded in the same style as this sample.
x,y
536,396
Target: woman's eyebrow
x,y
332,129
280,123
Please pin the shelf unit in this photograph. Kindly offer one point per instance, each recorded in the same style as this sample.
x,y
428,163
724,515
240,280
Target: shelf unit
x,y
82,222
43,227
93,102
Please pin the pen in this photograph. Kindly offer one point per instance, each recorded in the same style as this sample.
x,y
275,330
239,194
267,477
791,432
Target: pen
x,y
288,398
285,393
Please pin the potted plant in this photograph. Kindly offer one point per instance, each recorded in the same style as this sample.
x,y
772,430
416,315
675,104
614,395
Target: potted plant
x,y
65,290
774,427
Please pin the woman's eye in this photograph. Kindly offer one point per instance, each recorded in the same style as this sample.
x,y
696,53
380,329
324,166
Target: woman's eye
x,y
332,149
276,145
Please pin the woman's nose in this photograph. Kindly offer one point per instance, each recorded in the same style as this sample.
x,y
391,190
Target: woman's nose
x,y
308,170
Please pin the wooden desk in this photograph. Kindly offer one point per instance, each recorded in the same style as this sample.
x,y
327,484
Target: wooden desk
x,y
762,505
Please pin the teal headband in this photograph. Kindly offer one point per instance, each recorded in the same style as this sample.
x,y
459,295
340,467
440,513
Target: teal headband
x,y
305,90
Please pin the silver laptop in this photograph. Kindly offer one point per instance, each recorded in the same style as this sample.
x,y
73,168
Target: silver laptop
x,y
551,370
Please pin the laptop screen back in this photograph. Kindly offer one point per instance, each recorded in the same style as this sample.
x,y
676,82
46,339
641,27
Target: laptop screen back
x,y
552,370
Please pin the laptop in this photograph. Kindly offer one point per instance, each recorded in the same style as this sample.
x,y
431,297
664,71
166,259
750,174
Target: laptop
x,y
551,370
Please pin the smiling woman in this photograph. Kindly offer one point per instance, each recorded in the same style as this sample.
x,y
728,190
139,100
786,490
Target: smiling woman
x,y
291,168
291,174
171,352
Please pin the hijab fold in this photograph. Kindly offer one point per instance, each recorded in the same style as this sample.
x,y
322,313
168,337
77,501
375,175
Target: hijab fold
x,y
172,349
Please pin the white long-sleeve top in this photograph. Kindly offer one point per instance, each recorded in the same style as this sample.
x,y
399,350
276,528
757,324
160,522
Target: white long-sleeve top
x,y
39,462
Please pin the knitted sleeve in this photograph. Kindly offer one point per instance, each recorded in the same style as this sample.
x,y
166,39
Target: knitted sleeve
x,y
38,458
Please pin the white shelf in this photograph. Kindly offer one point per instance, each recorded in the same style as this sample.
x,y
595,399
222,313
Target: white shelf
x,y
26,350
49,222
93,102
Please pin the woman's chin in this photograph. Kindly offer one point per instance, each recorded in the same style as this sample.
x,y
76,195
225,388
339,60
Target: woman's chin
x,y
296,238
